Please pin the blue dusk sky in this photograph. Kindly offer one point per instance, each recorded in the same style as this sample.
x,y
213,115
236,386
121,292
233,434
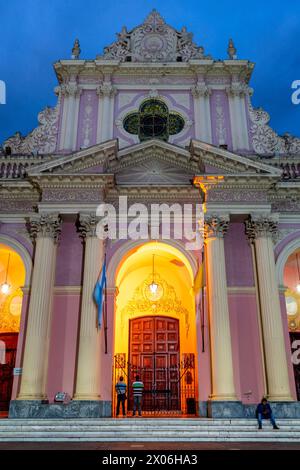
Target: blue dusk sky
x,y
36,33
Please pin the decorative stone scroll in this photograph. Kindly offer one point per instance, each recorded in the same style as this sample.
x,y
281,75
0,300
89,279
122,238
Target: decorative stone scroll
x,y
262,226
265,140
154,41
87,225
216,226
45,225
42,139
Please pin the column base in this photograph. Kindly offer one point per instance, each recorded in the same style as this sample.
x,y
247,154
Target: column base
x,y
237,409
35,409
225,409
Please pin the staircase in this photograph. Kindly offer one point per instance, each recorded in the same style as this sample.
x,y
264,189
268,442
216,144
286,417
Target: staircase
x,y
147,430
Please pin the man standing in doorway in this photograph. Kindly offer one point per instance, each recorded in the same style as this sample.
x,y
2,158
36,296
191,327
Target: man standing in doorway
x,y
137,388
121,395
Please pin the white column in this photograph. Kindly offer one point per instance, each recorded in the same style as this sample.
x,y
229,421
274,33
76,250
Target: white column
x,y
45,230
89,353
238,120
71,93
260,230
221,353
201,95
106,93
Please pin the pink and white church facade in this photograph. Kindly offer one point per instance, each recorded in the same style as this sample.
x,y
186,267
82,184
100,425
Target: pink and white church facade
x,y
156,121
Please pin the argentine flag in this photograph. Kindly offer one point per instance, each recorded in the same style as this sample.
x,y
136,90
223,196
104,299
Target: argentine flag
x,y
99,292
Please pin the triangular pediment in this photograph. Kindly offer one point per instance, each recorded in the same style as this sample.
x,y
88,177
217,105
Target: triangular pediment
x,y
154,162
222,161
89,160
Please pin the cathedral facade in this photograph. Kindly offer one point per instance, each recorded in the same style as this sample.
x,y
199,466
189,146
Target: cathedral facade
x,y
148,132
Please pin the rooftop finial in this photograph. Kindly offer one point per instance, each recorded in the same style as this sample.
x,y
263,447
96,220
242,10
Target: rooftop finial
x,y
231,50
76,50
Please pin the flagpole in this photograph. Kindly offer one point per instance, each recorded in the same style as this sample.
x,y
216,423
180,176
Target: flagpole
x,y
105,310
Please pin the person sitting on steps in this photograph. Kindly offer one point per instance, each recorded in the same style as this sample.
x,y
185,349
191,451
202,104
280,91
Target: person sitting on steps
x,y
264,411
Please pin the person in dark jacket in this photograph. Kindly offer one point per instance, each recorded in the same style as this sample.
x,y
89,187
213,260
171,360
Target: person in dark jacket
x,y
121,395
264,411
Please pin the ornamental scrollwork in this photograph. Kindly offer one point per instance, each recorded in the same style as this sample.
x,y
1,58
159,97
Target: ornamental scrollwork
x,y
265,140
262,226
168,304
42,139
216,226
153,41
45,226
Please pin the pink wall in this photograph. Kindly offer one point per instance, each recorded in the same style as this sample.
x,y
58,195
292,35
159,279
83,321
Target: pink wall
x,y
246,349
69,257
63,344
238,257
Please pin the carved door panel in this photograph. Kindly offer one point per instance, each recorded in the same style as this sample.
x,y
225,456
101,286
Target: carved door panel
x,y
154,355
8,344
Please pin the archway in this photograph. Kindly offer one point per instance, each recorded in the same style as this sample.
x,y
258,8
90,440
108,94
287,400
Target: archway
x,y
155,327
12,278
291,282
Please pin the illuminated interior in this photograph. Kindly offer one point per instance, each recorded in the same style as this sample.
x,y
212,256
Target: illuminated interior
x,y
12,278
173,296
292,294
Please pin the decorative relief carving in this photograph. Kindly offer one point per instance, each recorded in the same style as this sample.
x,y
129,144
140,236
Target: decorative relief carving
x,y
87,225
262,226
72,195
153,41
106,89
265,140
45,225
236,195
221,132
10,311
40,140
215,226
167,304
201,89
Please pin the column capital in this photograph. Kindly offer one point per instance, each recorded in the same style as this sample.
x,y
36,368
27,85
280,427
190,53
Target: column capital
x,y
262,226
69,89
44,225
106,89
87,225
200,89
215,226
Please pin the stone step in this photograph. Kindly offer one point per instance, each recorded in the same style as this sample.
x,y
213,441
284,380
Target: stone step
x,y
147,430
125,428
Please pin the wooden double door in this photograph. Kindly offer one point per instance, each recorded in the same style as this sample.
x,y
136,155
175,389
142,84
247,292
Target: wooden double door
x,y
154,355
8,350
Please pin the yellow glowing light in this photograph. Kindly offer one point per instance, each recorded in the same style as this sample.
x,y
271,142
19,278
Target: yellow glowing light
x,y
153,288
5,288
298,288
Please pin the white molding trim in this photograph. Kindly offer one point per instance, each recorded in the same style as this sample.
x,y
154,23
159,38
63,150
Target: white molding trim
x,y
22,252
65,290
241,290
283,257
238,208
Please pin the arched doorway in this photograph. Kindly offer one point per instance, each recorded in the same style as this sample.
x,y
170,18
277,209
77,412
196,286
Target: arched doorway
x,y
12,278
155,329
291,280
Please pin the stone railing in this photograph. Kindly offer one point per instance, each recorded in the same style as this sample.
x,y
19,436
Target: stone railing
x,y
16,166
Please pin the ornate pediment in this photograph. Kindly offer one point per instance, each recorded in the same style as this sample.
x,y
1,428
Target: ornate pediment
x,y
92,158
154,41
229,162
